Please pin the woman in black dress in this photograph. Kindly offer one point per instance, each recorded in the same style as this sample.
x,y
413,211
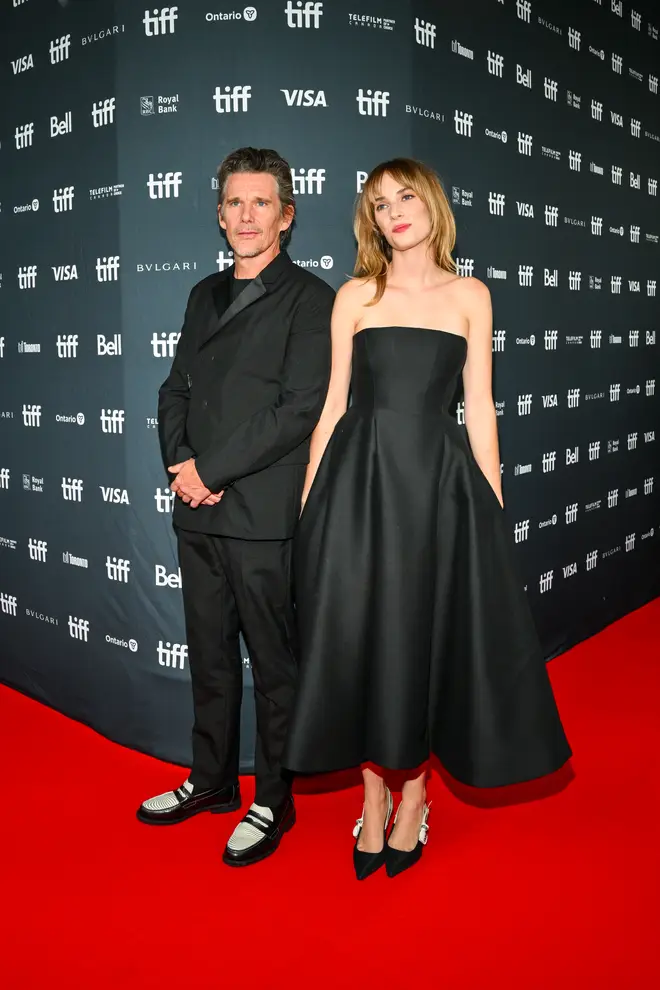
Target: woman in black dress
x,y
416,634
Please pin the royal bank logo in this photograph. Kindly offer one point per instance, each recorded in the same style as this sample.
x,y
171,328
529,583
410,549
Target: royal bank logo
x,y
160,21
308,182
232,99
460,196
117,569
495,64
573,100
103,112
164,344
174,655
23,136
78,628
72,489
164,185
304,97
424,33
524,143
107,268
59,49
550,89
463,123
372,103
303,15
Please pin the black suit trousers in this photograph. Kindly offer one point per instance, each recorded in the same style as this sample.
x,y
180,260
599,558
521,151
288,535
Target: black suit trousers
x,y
231,585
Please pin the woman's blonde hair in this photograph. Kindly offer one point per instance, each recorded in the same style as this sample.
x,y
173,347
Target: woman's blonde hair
x,y
374,254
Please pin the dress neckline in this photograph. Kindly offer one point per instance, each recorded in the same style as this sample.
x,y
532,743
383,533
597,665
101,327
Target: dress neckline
x,y
448,333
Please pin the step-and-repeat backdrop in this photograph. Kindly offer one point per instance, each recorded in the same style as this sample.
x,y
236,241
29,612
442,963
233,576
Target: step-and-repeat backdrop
x,y
543,119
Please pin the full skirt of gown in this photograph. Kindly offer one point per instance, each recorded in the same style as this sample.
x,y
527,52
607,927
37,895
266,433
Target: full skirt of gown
x,y
416,636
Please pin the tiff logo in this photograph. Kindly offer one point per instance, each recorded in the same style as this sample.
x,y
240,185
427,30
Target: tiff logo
x,y
173,654
460,412
574,38
308,181
499,339
570,513
648,486
103,112
78,628
632,441
496,203
59,49
545,581
107,269
72,489
573,397
495,64
549,461
617,63
595,338
650,286
591,559
550,89
465,267
633,338
38,550
112,420
164,500
597,225
63,199
425,33
612,498
117,569
305,16
634,234
594,450
31,415
8,603
4,478
574,281
653,83
224,260
550,339
653,187
650,387
372,103
575,160
617,174
524,10
525,404
232,99
630,542
635,127
551,216
164,344
636,20
521,531
463,123
615,285
524,143
525,275
615,392
160,22
596,110
67,345
23,135
164,186
27,277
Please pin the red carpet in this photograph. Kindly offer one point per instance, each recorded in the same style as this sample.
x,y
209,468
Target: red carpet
x,y
526,894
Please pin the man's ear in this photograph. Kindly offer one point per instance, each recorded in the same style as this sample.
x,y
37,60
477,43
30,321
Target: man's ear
x,y
220,217
288,214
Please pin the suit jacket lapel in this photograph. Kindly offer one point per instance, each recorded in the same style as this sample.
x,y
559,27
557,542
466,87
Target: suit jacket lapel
x,y
224,311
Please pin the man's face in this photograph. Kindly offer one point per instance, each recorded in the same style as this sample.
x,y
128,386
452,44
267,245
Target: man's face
x,y
251,213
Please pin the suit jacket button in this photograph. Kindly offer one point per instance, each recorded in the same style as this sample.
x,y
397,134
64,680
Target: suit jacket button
x,y
204,404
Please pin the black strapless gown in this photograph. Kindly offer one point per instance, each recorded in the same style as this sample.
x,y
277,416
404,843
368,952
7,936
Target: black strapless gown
x,y
415,630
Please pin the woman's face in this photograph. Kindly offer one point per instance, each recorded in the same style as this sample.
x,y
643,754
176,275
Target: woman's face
x,y
401,215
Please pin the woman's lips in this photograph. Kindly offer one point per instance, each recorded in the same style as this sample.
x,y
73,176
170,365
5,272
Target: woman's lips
x,y
400,228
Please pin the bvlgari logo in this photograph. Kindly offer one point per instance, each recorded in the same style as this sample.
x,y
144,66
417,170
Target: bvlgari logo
x,y
159,267
103,34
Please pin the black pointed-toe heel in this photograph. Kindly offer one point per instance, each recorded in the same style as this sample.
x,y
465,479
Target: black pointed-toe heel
x,y
366,863
397,860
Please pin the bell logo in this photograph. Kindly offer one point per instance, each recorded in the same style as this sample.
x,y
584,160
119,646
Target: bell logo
x,y
165,580
308,181
63,126
172,654
59,49
304,97
164,186
303,15
108,348
160,21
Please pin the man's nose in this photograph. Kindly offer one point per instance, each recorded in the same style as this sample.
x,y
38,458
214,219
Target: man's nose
x,y
246,213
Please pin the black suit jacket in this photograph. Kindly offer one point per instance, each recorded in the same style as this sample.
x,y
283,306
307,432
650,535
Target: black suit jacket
x,y
244,393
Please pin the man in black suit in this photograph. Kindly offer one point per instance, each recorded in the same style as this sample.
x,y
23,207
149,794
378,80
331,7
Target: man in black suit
x,y
235,415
